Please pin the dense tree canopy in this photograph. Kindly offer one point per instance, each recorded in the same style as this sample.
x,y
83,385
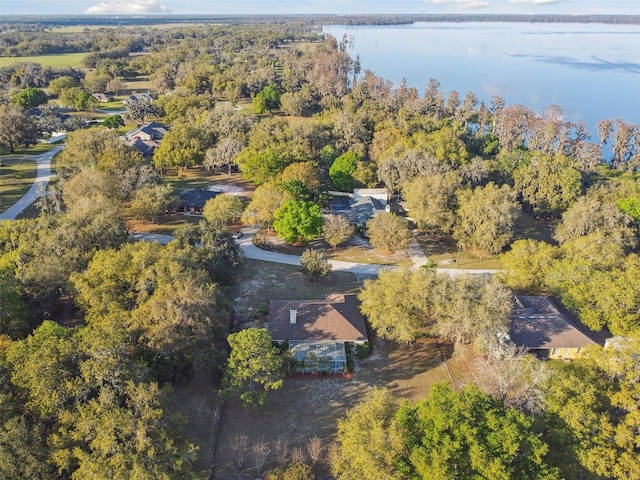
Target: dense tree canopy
x,y
342,171
403,305
30,97
549,185
223,210
337,229
448,435
486,216
16,128
315,263
432,201
182,147
266,200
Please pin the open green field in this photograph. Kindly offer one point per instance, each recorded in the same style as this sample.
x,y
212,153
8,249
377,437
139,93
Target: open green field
x,y
79,28
16,177
73,60
37,149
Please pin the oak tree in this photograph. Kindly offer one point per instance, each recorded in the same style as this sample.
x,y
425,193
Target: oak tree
x,y
254,367
298,220
389,232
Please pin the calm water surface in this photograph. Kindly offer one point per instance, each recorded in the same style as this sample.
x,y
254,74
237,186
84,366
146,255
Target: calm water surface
x,y
591,71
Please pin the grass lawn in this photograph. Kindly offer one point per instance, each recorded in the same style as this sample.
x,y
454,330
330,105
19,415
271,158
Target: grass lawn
x,y
529,227
73,60
368,254
443,251
200,177
16,177
139,85
114,106
37,149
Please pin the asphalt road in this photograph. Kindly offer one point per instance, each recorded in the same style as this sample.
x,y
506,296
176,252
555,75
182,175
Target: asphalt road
x,y
361,270
41,181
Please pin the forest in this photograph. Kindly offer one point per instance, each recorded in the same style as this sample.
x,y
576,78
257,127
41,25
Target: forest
x,y
88,400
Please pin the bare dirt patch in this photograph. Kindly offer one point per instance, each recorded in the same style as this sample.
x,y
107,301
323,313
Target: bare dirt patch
x,y
197,404
260,282
311,406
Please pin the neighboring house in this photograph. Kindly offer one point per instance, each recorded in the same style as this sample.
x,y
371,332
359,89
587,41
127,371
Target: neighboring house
x,y
146,138
541,326
316,330
148,131
192,200
136,97
146,147
361,206
103,97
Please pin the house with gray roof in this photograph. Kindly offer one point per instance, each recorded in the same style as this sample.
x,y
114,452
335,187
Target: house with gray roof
x,y
361,206
543,327
146,138
317,330
192,200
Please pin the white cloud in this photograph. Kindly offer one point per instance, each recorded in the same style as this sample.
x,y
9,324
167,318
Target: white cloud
x,y
128,7
472,3
461,3
535,2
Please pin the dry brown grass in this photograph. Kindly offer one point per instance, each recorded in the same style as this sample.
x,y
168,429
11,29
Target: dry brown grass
x,y
308,408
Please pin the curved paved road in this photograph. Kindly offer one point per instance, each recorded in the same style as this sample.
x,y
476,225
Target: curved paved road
x,y
251,251
359,269
43,162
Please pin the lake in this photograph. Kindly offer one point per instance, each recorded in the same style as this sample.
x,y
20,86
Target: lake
x,y
591,71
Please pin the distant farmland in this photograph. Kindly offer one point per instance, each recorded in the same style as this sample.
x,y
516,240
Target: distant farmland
x,y
62,60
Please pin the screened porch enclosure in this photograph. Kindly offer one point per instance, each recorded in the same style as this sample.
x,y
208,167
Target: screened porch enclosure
x,y
319,356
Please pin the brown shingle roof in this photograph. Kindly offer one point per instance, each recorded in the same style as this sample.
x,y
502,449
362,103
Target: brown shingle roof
x,y
539,324
336,318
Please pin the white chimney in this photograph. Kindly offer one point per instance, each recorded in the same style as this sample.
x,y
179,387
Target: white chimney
x,y
293,315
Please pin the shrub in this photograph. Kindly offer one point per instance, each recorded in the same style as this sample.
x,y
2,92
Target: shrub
x,y
363,350
291,471
315,264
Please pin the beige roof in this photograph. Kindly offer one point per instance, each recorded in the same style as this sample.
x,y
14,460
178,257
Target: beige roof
x,y
539,324
337,318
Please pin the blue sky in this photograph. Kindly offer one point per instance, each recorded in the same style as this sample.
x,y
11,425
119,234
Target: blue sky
x,y
20,7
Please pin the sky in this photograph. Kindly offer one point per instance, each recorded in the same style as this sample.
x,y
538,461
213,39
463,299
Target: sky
x,y
76,7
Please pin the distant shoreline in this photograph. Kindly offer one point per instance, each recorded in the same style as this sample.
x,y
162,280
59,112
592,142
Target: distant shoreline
x,y
318,19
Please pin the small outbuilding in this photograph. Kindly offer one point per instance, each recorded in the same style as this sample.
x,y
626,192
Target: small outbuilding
x,y
316,330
